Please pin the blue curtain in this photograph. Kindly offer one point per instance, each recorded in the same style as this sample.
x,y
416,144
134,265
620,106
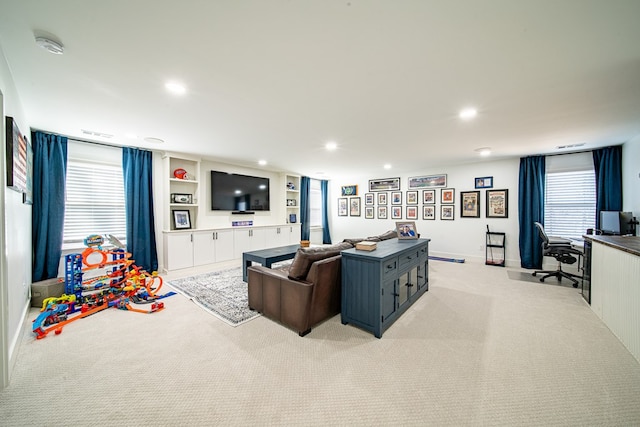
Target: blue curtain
x,y
138,191
305,211
326,233
47,219
608,167
531,209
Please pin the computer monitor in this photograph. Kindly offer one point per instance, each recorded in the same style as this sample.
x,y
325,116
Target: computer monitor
x,y
616,222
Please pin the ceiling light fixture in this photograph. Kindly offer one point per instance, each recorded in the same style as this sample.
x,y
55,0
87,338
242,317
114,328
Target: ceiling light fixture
x,y
176,88
49,45
387,166
331,146
468,113
262,162
484,151
153,140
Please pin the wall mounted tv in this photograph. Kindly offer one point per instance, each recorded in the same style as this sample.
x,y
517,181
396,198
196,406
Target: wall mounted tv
x,y
239,193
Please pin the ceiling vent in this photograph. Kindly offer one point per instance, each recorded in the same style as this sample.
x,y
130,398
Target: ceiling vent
x,y
98,134
562,147
49,45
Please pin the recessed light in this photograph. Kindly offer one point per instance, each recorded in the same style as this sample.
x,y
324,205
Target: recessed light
x,y
154,140
484,151
331,145
49,45
387,166
131,135
176,88
262,162
468,113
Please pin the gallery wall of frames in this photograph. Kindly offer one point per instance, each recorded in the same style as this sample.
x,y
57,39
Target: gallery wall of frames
x,y
426,197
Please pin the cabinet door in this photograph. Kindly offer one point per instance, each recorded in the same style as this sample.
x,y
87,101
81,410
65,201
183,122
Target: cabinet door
x,y
277,236
388,299
295,233
242,242
179,251
224,245
204,250
258,239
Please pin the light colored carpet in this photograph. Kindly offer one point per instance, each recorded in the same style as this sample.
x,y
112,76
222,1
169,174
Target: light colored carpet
x,y
222,293
478,349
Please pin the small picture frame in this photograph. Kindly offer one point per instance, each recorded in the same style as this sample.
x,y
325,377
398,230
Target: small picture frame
x,y
354,206
369,198
396,197
428,181
406,230
181,220
385,184
497,203
428,197
368,212
429,212
484,182
349,190
396,212
447,195
382,212
447,212
412,197
469,204
382,198
186,199
291,202
343,206
412,212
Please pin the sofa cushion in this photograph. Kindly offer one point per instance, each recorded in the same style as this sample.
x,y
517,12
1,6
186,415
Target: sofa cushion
x,y
391,234
307,256
353,242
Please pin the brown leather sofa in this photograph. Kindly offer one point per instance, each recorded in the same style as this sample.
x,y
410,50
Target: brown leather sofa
x,y
305,294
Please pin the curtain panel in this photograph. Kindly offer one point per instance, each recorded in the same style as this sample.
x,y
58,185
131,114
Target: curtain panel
x,y
531,209
47,219
305,208
138,191
607,163
326,233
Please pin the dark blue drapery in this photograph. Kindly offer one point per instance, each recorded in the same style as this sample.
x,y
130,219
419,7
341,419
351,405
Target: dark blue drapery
x,y
326,233
607,163
305,210
531,209
47,219
138,193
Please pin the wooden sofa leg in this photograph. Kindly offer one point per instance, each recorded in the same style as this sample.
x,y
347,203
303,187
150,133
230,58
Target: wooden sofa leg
x,y
304,332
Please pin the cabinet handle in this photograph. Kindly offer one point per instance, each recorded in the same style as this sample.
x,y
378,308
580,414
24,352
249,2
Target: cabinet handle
x,y
191,237
409,285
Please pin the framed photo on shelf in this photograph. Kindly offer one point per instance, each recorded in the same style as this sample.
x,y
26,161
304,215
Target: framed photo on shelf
x,y
343,206
447,195
447,212
412,212
181,219
429,212
382,212
382,198
412,197
469,204
369,198
368,212
396,212
349,190
497,203
396,197
354,206
428,197
428,181
406,230
386,184
484,182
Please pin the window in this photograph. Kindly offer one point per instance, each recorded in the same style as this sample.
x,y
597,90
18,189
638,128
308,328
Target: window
x,y
94,194
315,203
570,195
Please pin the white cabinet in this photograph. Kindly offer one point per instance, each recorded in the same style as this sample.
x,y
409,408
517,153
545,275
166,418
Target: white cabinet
x,y
294,233
178,251
195,248
278,236
249,239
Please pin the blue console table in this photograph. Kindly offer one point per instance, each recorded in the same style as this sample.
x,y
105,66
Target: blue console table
x,y
378,286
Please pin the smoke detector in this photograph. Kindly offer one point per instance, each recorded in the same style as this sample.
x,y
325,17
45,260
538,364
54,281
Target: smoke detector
x,y
49,45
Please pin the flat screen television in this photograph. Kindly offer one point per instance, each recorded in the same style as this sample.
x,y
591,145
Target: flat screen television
x,y
616,223
239,193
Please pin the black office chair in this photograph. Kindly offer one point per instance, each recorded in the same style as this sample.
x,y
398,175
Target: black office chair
x,y
562,251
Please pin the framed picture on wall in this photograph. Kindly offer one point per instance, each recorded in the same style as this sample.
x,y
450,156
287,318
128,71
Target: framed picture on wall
x,y
181,220
447,195
396,212
412,197
343,206
497,203
369,198
412,212
469,204
447,212
354,206
396,197
382,212
368,212
428,196
382,198
429,212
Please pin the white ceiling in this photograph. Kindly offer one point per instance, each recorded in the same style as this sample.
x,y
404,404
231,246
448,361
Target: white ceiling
x,y
277,79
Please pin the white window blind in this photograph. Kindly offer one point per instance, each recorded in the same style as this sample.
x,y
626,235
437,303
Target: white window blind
x,y
315,203
94,201
570,203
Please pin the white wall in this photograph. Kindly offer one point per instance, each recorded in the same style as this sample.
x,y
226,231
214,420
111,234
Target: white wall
x,y
460,238
631,177
15,265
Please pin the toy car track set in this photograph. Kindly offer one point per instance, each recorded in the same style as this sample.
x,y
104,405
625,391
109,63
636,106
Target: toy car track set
x,y
123,284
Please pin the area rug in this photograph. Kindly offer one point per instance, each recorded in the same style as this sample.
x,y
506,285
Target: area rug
x,y
221,293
